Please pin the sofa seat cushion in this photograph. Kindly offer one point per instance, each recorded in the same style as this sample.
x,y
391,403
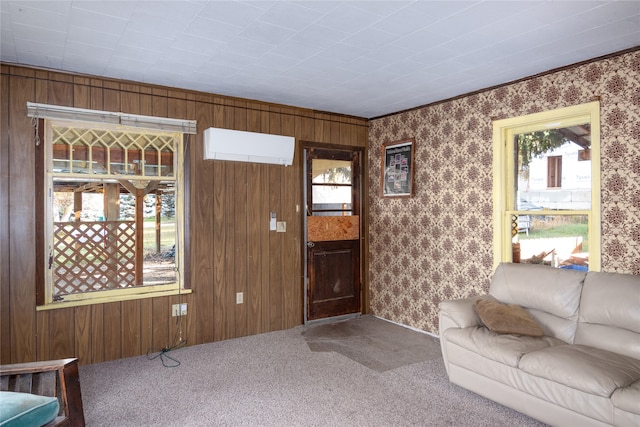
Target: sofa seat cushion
x,y
628,398
25,409
591,370
503,348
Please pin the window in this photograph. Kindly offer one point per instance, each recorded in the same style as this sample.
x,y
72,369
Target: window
x,y
113,212
554,171
331,187
546,188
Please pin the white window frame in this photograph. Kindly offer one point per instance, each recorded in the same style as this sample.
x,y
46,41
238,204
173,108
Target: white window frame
x,y
504,132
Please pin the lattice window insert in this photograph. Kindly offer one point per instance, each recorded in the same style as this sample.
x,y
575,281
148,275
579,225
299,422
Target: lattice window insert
x,y
77,150
93,256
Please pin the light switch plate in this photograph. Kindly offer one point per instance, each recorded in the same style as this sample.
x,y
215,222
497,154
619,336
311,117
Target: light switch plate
x,y
281,226
272,221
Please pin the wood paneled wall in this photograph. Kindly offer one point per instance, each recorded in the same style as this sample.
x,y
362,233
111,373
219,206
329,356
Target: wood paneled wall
x,y
232,249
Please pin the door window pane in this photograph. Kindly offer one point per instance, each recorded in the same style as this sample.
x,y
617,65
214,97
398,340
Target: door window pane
x,y
331,171
330,197
331,187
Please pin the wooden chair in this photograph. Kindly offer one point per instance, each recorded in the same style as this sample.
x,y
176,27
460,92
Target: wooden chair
x,y
54,378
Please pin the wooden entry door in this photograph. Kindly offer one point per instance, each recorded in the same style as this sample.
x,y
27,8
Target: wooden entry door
x,y
333,232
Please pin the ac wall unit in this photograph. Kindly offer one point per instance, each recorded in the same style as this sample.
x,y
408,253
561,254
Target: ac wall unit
x,y
241,146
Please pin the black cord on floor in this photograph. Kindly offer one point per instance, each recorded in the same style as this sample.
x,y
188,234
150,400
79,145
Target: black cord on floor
x,y
167,361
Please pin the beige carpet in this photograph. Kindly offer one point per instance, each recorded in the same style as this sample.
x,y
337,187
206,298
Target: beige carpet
x,y
359,372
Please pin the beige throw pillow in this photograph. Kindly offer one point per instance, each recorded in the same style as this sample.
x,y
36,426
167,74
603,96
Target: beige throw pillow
x,y
506,318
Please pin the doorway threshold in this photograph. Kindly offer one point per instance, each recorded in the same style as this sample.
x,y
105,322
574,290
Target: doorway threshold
x,y
333,319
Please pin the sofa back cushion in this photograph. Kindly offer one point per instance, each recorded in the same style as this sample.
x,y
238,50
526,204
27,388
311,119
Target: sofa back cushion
x,y
610,313
551,295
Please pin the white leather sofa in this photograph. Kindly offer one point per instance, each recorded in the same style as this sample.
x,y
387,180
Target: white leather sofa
x,y
584,371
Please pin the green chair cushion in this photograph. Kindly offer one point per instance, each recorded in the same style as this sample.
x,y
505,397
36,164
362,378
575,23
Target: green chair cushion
x,y
25,409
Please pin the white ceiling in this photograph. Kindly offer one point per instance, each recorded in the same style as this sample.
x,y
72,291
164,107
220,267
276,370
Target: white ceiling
x,y
363,58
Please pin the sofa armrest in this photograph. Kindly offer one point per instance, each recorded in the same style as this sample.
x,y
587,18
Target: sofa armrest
x,y
458,313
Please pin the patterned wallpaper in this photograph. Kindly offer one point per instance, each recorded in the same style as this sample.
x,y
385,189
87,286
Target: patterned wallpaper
x,y
438,244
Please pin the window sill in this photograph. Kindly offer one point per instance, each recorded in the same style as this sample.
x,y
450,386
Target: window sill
x,y
111,298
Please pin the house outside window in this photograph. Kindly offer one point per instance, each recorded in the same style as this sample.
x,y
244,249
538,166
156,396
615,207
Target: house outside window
x,y
546,188
113,212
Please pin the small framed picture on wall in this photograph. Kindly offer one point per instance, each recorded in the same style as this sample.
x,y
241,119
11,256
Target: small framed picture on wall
x,y
396,177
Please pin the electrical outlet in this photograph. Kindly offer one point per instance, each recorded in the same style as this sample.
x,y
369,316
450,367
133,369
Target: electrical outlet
x,y
239,298
179,309
281,226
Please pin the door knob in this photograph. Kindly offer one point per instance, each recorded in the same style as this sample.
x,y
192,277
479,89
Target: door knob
x,y
310,244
